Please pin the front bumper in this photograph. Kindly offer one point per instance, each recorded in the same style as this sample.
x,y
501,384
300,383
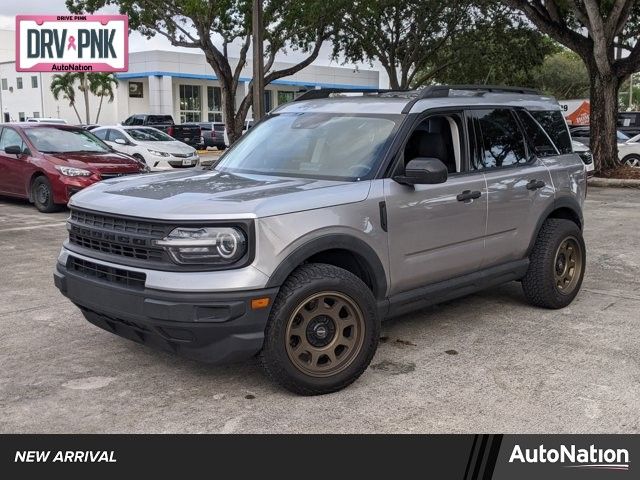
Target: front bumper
x,y
213,327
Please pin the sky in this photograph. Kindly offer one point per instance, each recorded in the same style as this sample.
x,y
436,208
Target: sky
x,y
137,42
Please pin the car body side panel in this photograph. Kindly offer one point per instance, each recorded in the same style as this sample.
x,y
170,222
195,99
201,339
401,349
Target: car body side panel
x,y
280,236
569,178
432,235
514,209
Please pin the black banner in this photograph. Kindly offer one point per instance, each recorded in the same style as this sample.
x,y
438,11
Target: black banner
x,y
456,457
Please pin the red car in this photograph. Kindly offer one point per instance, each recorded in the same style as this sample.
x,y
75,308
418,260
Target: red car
x,y
48,163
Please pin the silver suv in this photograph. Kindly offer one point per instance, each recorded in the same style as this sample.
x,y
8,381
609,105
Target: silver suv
x,y
335,212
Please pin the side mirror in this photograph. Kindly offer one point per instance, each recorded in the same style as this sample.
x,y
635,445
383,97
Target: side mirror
x,y
423,171
13,150
120,141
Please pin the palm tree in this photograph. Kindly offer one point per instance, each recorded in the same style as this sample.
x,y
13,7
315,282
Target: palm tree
x,y
64,85
101,85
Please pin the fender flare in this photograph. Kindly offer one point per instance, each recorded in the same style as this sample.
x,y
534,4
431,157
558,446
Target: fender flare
x,y
562,202
357,247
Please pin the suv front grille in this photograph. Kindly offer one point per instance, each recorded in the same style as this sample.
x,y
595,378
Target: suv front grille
x,y
106,246
117,236
104,273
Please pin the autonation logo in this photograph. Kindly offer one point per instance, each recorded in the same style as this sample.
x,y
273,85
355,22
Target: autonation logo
x,y
573,457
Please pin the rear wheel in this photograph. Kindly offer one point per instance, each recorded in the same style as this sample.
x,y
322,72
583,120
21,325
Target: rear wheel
x,y
322,332
42,195
557,265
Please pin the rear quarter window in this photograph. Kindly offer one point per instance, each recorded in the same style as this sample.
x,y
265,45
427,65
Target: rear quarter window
x,y
553,123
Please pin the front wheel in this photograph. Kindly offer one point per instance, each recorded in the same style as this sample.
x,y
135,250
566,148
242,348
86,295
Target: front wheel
x,y
557,265
42,195
322,332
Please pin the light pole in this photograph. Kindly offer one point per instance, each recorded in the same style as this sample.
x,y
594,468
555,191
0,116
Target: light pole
x,y
258,62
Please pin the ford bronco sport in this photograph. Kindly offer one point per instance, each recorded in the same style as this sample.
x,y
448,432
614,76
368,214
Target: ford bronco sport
x,y
334,212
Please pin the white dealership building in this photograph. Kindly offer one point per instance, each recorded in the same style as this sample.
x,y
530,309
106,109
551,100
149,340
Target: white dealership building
x,y
158,82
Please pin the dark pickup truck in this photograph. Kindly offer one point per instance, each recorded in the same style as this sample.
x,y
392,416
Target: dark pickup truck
x,y
188,133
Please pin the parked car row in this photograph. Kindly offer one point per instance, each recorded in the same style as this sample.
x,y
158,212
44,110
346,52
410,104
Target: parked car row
x,y
628,148
47,163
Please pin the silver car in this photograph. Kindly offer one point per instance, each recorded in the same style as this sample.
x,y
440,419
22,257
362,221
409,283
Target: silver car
x,y
333,213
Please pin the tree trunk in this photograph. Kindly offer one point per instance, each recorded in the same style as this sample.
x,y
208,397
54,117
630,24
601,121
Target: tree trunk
x,y
85,91
99,108
77,113
603,121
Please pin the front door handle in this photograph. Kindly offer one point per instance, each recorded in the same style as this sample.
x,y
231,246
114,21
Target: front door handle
x,y
468,195
535,184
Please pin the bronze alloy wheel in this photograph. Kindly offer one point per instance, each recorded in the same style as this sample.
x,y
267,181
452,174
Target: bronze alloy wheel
x,y
324,334
568,265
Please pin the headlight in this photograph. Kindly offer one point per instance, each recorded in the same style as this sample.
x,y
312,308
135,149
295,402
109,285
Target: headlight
x,y
209,245
73,172
158,154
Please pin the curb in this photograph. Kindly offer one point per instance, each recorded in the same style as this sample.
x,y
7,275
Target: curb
x,y
613,182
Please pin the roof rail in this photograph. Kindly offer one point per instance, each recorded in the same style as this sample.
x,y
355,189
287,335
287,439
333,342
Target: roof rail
x,y
327,92
440,91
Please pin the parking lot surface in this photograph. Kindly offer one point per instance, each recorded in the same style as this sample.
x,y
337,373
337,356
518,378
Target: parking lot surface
x,y
487,362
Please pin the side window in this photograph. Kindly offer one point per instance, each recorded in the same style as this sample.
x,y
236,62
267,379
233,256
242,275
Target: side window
x,y
10,138
438,136
538,139
115,135
555,126
101,134
501,139
136,120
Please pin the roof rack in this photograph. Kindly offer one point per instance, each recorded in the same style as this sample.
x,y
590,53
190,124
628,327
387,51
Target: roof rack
x,y
442,91
327,92
431,91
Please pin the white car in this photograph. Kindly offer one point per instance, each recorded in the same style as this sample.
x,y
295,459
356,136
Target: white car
x,y
56,121
629,152
157,149
585,154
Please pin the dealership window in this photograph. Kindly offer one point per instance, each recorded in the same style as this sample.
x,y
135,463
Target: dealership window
x,y
268,100
36,114
214,104
7,117
21,116
19,83
5,86
285,97
190,104
34,82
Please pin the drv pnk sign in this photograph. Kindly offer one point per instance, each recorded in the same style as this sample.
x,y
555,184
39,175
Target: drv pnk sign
x,y
72,43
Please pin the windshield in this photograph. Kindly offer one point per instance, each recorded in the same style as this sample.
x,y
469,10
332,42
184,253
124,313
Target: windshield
x,y
621,136
313,145
149,135
59,140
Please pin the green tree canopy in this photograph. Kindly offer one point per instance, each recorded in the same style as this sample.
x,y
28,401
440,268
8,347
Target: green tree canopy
x,y
563,75
213,25
499,48
603,33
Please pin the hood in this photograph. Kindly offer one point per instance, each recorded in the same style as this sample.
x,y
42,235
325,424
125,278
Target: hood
x,y
169,147
209,194
99,161
579,147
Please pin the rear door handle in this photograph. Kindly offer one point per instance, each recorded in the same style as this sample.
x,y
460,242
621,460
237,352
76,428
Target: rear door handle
x,y
468,195
535,184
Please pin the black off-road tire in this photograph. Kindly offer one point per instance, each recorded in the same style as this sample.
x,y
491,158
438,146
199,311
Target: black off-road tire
x,y
42,195
539,283
308,280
